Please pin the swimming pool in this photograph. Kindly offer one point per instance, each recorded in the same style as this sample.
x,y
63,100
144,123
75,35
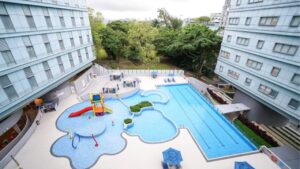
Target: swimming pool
x,y
213,133
176,106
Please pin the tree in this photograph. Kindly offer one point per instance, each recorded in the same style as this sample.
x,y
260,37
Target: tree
x,y
115,39
140,42
96,22
168,20
202,20
194,47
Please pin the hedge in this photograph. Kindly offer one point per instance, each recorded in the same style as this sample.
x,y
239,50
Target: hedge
x,y
138,107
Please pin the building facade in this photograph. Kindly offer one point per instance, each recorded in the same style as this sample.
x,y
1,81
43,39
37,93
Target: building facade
x,y
42,44
260,56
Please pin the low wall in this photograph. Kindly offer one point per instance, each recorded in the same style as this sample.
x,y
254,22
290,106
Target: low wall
x,y
197,84
21,139
83,81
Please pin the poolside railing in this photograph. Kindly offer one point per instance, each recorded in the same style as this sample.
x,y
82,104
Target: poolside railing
x,y
139,72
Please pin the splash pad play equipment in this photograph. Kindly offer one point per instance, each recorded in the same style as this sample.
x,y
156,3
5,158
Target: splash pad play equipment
x,y
98,108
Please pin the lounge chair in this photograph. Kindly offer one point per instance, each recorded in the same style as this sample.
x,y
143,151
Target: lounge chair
x,y
164,165
169,80
173,80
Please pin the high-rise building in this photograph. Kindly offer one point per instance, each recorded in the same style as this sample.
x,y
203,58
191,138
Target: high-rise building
x,y
42,44
260,56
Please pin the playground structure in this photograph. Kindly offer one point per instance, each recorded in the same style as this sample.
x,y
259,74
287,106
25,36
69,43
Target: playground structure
x,y
97,106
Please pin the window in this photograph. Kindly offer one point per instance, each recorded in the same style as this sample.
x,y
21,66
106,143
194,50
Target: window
x,y
254,64
8,87
61,18
237,58
88,38
29,17
60,41
6,53
242,41
79,56
60,64
285,49
30,77
221,69
254,1
47,44
294,104
260,44
80,39
267,91
29,47
6,21
228,38
233,74
82,21
238,2
296,79
295,22
248,81
71,59
47,70
275,71
268,21
225,54
87,53
234,21
47,18
73,21
248,21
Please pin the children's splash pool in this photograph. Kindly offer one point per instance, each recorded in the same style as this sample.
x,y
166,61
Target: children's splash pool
x,y
186,108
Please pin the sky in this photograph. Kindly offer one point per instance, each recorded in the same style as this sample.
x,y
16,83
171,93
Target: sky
x,y
147,9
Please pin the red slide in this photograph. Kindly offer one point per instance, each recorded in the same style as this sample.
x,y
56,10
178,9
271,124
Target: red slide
x,y
80,112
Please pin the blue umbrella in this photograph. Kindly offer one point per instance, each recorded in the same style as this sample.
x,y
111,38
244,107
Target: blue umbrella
x,y
242,165
172,156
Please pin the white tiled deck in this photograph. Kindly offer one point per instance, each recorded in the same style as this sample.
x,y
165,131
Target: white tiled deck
x,y
36,152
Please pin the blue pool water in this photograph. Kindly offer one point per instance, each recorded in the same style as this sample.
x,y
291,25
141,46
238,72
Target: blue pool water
x,y
186,107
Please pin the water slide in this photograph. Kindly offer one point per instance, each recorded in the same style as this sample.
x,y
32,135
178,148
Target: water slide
x,y
80,112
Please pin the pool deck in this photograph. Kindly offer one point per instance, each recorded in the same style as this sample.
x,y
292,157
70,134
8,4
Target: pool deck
x,y
36,152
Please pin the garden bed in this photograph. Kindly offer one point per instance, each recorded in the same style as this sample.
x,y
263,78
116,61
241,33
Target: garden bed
x,y
137,108
258,137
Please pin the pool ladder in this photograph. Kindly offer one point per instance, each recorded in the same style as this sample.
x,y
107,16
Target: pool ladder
x,y
18,164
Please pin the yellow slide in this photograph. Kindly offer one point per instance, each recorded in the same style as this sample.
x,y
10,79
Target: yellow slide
x,y
107,110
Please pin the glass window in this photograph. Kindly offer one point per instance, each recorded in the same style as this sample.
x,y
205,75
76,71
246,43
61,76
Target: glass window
x,y
72,42
295,22
268,21
8,58
260,44
275,71
221,69
242,41
228,38
238,2
73,21
225,54
248,21
237,58
254,1
88,38
80,39
62,21
79,56
30,77
48,21
233,74
267,91
71,59
254,64
61,44
48,47
60,64
47,70
31,52
87,53
82,21
234,21
285,49
294,104
8,87
248,81
296,79
8,25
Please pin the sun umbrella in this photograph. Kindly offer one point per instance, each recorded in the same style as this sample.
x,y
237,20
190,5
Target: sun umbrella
x,y
242,165
172,156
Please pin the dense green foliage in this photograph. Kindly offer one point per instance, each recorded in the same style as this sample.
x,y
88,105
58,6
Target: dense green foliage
x,y
202,20
193,47
137,108
251,135
127,121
